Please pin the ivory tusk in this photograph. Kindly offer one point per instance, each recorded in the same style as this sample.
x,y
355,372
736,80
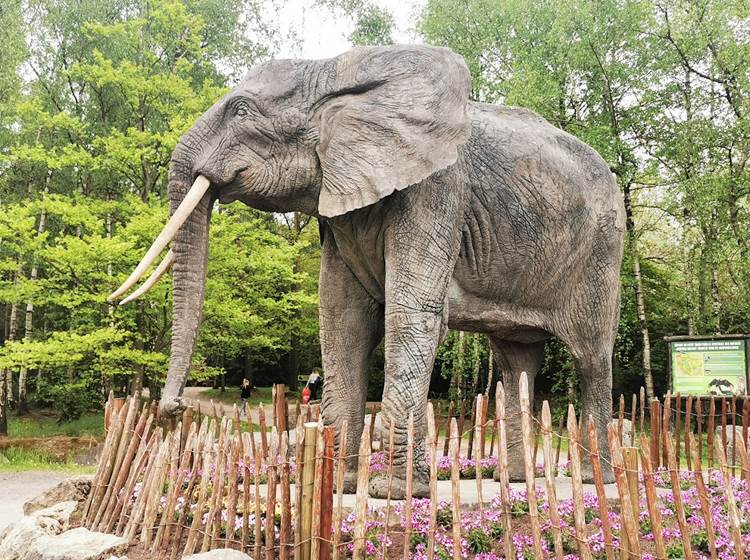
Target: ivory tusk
x,y
156,275
188,204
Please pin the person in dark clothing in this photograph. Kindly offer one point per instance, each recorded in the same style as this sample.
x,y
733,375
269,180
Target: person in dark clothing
x,y
315,382
245,391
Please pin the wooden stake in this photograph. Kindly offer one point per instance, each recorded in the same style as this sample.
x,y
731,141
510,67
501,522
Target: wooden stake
x,y
286,499
299,463
642,395
579,514
711,430
373,415
317,493
308,480
549,477
699,425
677,437
478,455
601,495
455,489
263,434
677,494
560,426
724,425
705,507
473,421
432,439
447,429
341,470
270,540
665,427
628,516
528,445
234,454
502,462
655,455
652,500
203,439
688,430
731,503
360,509
409,484
326,494
257,529
630,462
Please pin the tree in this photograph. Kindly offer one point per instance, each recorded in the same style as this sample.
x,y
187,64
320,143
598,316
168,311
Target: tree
x,y
113,86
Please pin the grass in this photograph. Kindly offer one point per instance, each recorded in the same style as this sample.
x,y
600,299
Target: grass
x,y
15,459
43,425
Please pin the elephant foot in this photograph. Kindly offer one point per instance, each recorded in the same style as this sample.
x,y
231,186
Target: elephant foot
x,y
350,482
169,408
516,471
379,487
587,473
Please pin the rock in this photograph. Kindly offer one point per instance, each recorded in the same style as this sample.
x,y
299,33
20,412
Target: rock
x,y
730,443
627,431
219,554
76,544
17,538
74,489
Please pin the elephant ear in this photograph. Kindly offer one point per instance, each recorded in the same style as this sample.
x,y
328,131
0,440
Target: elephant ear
x,y
393,117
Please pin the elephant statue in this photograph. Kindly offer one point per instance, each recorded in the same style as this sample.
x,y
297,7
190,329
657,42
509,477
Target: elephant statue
x,y
435,212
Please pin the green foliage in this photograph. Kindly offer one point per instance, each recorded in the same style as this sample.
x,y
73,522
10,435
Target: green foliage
x,y
373,27
479,541
82,184
661,90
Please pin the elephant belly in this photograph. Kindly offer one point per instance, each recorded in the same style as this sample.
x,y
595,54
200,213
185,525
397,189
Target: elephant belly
x,y
468,312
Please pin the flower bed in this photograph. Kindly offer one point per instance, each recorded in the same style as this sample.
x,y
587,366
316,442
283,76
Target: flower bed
x,y
483,535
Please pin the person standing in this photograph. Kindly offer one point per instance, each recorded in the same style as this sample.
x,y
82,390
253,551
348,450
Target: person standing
x,y
245,391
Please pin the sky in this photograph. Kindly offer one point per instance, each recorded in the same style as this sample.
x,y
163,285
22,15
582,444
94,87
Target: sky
x,y
322,33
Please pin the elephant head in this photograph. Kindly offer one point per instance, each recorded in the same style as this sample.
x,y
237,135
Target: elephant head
x,y
322,137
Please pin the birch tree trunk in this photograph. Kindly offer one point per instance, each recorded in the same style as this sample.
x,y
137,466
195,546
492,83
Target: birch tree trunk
x,y
6,378
639,297
29,322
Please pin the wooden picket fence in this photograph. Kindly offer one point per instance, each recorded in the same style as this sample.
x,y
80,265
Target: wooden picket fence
x,y
177,487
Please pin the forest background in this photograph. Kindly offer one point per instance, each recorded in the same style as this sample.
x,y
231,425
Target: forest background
x,y
94,94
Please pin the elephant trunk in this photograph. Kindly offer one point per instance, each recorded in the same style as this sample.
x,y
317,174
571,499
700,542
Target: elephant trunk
x,y
190,255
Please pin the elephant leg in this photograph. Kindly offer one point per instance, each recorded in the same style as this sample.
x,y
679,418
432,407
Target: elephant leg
x,y
595,371
514,358
422,246
351,326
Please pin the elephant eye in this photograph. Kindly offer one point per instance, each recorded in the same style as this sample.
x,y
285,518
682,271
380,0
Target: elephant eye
x,y
241,110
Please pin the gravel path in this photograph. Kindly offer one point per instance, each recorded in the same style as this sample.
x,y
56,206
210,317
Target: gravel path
x,y
16,488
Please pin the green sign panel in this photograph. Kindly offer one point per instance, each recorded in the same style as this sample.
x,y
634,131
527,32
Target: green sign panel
x,y
709,367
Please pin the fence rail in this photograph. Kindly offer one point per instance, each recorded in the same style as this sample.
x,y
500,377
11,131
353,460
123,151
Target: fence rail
x,y
209,481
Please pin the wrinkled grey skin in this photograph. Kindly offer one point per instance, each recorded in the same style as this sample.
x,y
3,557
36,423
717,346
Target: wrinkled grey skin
x,y
435,212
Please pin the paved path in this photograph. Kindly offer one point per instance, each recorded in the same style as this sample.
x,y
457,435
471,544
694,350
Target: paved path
x,y
16,488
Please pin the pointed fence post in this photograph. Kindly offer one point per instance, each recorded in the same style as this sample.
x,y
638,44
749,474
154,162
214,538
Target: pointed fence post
x,y
528,446
502,470
549,477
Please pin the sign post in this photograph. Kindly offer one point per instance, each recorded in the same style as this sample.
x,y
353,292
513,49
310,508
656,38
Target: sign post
x,y
708,366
